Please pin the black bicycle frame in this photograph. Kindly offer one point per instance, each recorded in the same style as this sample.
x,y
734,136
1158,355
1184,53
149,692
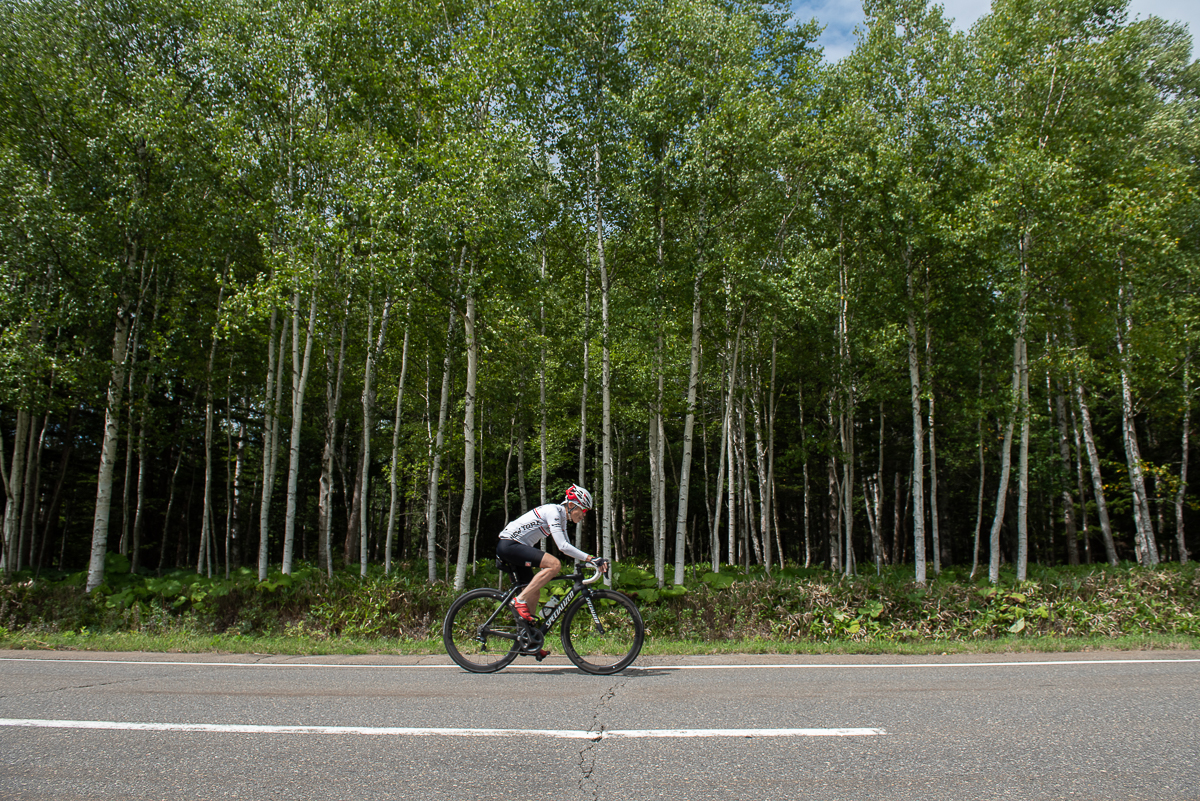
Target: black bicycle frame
x,y
548,623
561,607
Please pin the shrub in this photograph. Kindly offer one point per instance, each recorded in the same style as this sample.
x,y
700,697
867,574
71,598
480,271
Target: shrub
x,y
792,605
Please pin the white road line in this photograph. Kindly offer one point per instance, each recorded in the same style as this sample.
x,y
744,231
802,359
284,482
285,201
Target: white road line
x,y
1056,663
430,732
777,666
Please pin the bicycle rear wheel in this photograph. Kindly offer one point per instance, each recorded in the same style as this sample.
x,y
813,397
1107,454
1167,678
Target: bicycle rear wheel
x,y
605,636
479,634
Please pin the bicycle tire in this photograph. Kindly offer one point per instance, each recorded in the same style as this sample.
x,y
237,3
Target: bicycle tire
x,y
611,650
469,644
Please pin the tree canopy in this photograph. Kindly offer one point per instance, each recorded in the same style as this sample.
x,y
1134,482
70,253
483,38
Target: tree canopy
x,y
357,281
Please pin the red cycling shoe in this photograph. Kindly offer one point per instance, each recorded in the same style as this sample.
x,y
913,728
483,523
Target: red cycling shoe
x,y
523,610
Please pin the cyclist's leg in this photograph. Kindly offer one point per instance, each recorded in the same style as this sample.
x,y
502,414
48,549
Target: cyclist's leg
x,y
516,556
520,558
523,558
550,567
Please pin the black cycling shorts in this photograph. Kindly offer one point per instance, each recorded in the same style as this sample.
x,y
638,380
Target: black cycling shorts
x,y
523,559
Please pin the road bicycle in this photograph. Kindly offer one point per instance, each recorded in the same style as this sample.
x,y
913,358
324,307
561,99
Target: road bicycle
x,y
602,630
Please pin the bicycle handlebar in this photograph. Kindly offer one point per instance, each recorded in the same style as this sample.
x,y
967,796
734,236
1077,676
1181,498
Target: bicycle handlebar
x,y
596,577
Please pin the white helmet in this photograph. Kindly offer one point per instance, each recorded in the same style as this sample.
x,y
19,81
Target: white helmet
x,y
580,497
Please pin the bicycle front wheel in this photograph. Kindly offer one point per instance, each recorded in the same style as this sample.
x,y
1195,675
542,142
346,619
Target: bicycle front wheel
x,y
605,635
479,633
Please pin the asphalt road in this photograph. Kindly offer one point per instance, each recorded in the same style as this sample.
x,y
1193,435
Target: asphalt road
x,y
155,726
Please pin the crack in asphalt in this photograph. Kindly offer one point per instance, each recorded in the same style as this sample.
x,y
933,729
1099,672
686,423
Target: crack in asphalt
x,y
587,757
66,687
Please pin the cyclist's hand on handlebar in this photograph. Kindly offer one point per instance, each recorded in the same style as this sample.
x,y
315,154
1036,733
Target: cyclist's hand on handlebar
x,y
599,563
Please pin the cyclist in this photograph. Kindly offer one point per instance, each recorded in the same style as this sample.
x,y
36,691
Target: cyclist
x,y
518,538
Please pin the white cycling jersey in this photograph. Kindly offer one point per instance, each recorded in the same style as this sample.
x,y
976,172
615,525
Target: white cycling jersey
x,y
539,522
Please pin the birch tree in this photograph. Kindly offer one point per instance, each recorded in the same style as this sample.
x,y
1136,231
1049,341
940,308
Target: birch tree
x,y
435,456
393,502
300,371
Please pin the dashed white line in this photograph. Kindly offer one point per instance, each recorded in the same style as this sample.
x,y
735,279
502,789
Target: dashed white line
x,y
567,734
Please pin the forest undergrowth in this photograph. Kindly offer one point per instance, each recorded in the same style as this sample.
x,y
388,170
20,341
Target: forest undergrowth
x,y
793,610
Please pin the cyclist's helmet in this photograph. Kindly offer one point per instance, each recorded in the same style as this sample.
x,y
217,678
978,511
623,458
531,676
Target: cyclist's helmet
x,y
580,497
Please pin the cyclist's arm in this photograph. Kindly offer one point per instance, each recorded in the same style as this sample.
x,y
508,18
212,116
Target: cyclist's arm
x,y
558,530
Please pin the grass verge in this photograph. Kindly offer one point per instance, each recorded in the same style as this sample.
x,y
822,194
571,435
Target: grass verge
x,y
792,611
197,643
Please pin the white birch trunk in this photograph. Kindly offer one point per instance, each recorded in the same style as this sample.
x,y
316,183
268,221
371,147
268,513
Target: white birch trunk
x,y
394,498
731,532
334,374
436,461
1068,501
479,500
5,533
139,506
715,534
751,515
660,482
1089,442
123,548
468,501
846,419
655,523
1024,409
270,440
203,564
1023,464
580,528
847,497
1005,468
541,388
726,462
764,482
1181,493
768,505
32,493
140,503
508,464
232,536
1147,548
1084,530
873,499
918,442
688,431
659,473
364,465
108,452
300,368
805,493
746,540
834,507
661,444
935,535
368,406
521,467
608,507
979,495
13,489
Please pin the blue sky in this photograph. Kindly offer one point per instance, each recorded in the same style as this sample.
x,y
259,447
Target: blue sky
x,y
840,16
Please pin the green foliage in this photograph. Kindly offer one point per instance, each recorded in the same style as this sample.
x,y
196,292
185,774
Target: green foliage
x,y
795,606
205,169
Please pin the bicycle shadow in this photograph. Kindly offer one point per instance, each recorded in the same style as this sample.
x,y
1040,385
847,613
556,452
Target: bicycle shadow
x,y
634,671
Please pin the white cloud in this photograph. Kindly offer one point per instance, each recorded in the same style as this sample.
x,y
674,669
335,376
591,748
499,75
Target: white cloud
x,y
841,16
